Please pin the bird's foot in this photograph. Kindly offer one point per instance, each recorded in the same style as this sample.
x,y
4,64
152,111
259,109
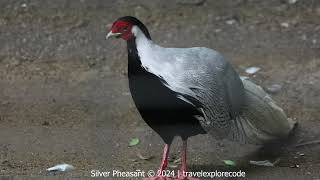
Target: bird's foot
x,y
184,176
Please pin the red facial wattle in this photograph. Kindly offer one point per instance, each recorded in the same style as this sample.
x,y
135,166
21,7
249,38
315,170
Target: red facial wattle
x,y
124,28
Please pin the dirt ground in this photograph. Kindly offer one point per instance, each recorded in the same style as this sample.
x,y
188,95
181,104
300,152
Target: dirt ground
x,y
64,95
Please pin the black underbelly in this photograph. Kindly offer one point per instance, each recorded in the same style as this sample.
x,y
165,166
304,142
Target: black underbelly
x,y
161,109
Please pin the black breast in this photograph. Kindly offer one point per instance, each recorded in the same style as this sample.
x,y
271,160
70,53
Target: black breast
x,y
159,106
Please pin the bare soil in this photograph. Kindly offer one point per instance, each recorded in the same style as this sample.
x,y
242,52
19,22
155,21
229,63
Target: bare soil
x,y
64,95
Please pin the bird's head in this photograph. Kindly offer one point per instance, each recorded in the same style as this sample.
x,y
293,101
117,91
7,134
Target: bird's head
x,y
125,28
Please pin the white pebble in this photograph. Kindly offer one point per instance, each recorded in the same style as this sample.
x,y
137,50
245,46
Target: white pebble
x,y
231,22
61,167
314,41
292,1
284,24
252,70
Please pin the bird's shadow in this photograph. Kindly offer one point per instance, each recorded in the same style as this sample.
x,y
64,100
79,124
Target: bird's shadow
x,y
272,152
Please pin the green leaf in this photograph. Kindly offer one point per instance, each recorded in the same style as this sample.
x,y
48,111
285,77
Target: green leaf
x,y
134,141
229,163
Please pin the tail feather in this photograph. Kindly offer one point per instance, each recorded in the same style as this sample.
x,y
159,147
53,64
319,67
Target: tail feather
x,y
261,120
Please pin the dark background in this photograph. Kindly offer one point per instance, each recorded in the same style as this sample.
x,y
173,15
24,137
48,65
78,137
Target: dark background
x,y
64,95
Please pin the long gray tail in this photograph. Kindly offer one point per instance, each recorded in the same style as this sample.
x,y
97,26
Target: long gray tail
x,y
261,120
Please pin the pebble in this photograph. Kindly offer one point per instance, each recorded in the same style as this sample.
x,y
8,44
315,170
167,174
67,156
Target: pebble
x,y
295,166
314,41
24,5
274,88
252,70
61,168
285,24
292,1
217,30
231,22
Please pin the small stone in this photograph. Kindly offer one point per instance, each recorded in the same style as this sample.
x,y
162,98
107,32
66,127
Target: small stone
x,y
292,1
274,88
295,166
285,24
231,22
24,5
252,70
61,168
218,18
217,30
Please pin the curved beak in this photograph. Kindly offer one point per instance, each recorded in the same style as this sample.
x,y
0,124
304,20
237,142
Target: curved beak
x,y
111,34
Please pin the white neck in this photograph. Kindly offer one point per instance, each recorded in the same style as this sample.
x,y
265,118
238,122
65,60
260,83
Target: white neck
x,y
141,40
147,51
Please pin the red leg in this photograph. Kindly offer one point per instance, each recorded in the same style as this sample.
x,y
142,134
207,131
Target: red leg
x,y
164,163
183,167
165,155
184,156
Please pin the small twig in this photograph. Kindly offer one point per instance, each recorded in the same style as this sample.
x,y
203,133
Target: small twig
x,y
308,143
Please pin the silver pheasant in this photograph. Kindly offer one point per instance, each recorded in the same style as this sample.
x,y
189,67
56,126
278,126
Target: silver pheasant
x,y
189,91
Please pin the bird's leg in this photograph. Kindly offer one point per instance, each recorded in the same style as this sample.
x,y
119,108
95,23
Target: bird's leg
x,y
183,167
184,156
163,165
165,155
